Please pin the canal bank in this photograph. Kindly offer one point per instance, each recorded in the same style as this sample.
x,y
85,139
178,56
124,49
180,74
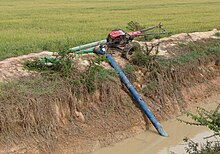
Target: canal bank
x,y
150,142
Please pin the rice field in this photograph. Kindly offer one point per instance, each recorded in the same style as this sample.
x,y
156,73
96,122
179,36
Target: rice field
x,y
34,25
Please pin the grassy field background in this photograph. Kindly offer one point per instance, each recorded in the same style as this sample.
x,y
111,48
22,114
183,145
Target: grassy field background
x,y
34,25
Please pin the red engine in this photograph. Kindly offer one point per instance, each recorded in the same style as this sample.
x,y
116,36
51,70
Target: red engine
x,y
118,38
121,40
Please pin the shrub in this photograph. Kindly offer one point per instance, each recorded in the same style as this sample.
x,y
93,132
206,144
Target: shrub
x,y
210,119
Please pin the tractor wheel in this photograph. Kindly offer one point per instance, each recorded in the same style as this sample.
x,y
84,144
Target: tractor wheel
x,y
130,49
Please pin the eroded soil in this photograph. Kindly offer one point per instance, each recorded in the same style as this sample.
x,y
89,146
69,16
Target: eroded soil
x,y
150,142
103,119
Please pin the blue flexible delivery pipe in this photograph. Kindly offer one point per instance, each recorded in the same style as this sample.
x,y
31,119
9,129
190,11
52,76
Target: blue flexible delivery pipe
x,y
134,93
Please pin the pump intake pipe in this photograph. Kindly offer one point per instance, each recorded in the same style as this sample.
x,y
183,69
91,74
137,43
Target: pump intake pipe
x,y
137,97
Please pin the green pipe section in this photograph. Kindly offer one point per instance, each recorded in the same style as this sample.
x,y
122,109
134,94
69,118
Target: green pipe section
x,y
85,51
86,46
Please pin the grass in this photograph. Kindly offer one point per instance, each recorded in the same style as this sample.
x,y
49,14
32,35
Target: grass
x,y
192,52
197,50
217,34
167,76
30,112
65,66
34,25
30,106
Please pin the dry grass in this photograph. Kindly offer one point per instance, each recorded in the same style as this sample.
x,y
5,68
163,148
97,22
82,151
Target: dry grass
x,y
42,110
164,78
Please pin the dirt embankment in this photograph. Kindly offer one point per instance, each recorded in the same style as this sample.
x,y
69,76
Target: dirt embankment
x,y
12,67
68,124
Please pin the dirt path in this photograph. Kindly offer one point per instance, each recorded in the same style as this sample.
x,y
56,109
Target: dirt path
x,y
169,44
151,142
12,67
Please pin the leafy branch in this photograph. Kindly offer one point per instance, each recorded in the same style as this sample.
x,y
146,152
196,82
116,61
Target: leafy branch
x,y
210,119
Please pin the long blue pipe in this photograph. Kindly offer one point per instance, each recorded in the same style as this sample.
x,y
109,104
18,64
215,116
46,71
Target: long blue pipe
x,y
134,93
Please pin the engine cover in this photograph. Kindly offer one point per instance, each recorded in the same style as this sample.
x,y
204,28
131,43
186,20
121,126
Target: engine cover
x,y
116,33
118,38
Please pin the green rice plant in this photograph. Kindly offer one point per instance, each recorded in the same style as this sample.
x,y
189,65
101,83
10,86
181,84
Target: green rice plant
x,y
57,25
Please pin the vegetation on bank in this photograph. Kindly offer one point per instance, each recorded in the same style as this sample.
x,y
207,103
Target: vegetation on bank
x,y
186,53
56,25
29,105
210,119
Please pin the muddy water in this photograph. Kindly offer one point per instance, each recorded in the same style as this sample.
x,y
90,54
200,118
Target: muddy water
x,y
180,147
150,142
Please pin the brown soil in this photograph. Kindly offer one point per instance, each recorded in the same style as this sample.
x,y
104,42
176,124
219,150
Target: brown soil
x,y
12,68
169,45
150,142
101,119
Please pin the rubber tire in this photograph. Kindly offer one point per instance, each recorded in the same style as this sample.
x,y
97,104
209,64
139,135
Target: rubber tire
x,y
130,49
